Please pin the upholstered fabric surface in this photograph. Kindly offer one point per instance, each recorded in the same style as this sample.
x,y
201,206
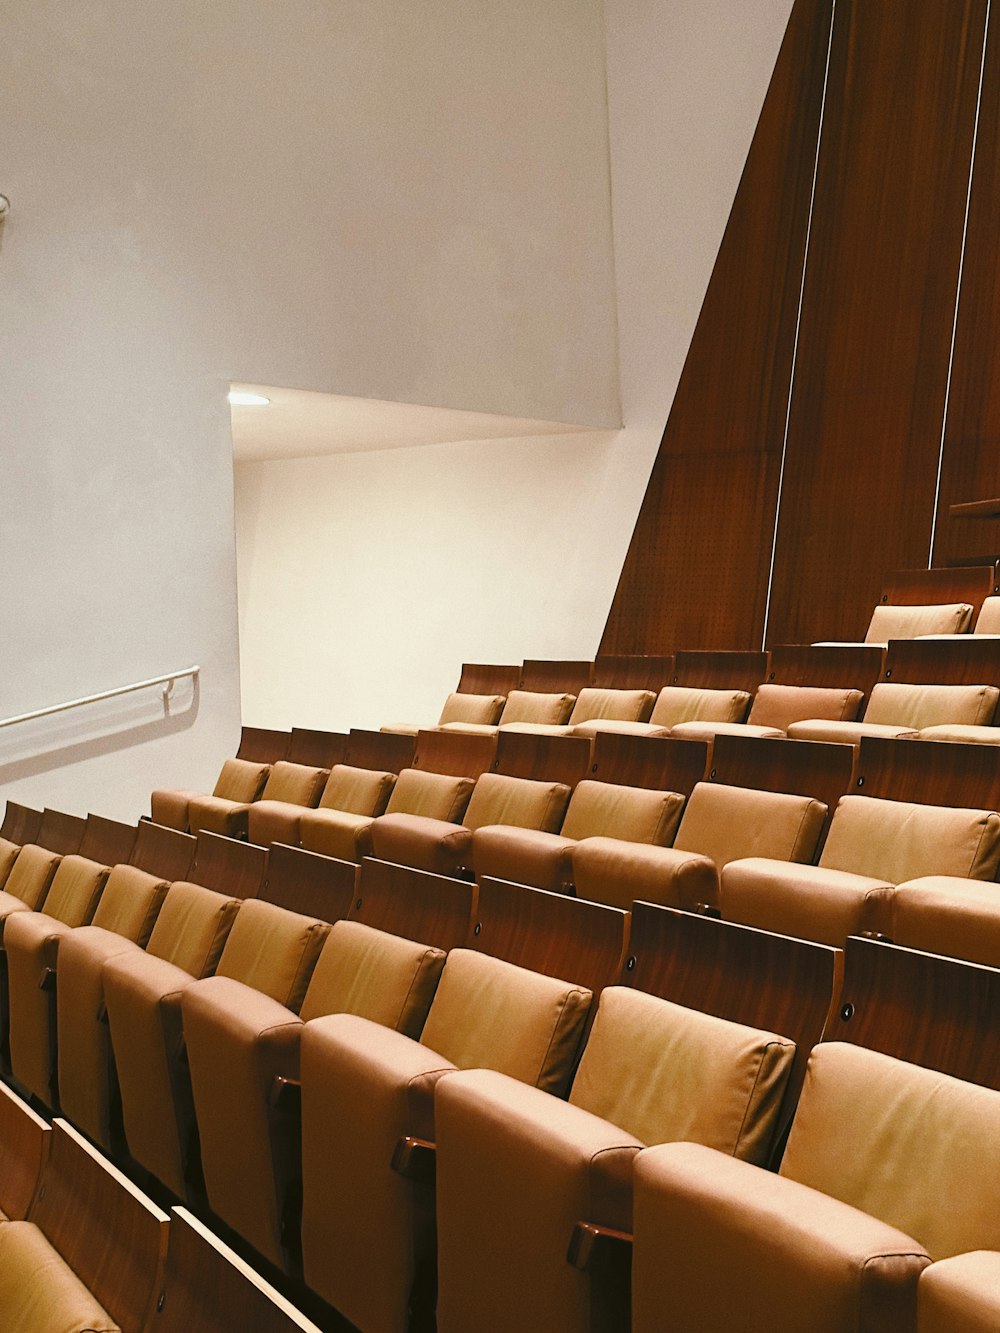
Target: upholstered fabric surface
x,y
8,855
31,875
500,799
676,703
130,903
528,706
950,915
988,620
241,780
725,823
192,926
917,706
484,709
608,870
358,791
896,840
336,833
812,902
625,705
963,735
960,1295
433,795
434,845
75,890
526,856
273,951
780,705
909,622
39,1293
606,810
296,784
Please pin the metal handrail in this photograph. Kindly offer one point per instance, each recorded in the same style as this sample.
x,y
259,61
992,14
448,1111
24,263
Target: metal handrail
x,y
167,680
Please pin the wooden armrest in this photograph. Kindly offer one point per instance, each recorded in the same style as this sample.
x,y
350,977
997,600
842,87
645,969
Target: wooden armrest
x,y
416,1159
592,1246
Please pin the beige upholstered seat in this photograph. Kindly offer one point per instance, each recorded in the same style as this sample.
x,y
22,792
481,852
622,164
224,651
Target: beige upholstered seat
x,y
595,705
910,622
903,710
445,848
776,707
838,1240
525,706
720,824
238,1041
350,790
873,845
459,710
596,809
28,881
31,940
348,836
365,1087
290,784
239,780
949,915
960,1295
518,1169
676,704
266,948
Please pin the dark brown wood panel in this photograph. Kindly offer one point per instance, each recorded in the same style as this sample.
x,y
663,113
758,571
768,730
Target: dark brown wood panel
x,y
20,823
263,745
721,670
544,676
835,666
482,678
966,660
229,866
929,772
108,841
696,571
59,832
461,754
662,763
633,673
431,909
306,882
971,464
317,749
384,751
523,754
163,851
804,768
929,587
881,276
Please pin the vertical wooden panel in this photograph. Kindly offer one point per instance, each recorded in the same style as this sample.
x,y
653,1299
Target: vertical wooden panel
x,y
971,468
696,570
881,276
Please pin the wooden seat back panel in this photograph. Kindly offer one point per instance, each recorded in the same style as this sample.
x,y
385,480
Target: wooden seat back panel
x,y
309,883
385,751
431,909
229,866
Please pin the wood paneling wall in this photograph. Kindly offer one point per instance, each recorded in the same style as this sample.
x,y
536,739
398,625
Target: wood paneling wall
x,y
869,378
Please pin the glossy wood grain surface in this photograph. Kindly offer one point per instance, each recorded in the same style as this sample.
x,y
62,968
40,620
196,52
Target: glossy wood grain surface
x,y
661,763
108,841
263,745
548,676
940,585
622,672
921,1007
840,666
20,823
482,678
163,851
929,772
544,758
24,1149
431,909
804,768
60,832
227,865
966,660
550,933
306,882
317,749
721,670
455,752
381,750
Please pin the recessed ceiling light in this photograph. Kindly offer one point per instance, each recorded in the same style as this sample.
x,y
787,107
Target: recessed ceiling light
x,y
238,398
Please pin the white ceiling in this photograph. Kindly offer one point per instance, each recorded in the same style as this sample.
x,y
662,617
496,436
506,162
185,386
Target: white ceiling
x,y
298,423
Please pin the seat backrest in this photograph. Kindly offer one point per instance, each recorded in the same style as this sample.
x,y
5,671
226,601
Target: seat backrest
x,y
488,1014
295,783
241,780
130,903
622,705
527,706
915,1148
372,974
780,705
897,841
75,890
988,620
523,802
909,622
729,823
484,709
273,951
678,703
901,705
665,1073
433,795
358,791
634,814
31,874
192,927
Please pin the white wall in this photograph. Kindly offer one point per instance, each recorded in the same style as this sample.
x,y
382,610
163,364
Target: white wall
x,y
366,580
357,196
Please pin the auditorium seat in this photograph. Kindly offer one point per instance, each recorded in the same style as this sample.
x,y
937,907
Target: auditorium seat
x,y
839,1238
518,1168
267,949
595,705
527,707
719,824
460,709
898,709
348,790
239,780
291,784
948,915
961,1294
873,844
596,809
367,1230
676,704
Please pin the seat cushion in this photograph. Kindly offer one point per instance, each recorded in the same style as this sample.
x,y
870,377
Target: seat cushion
x,y
810,902
528,706
273,951
844,733
963,735
358,791
241,780
635,814
192,927
624,705
949,915
726,823
910,622
39,1292
608,870
677,703
170,807
960,1295
988,620
523,855
597,725
217,814
500,799
707,731
336,833
483,709
897,841
780,705
434,845
274,821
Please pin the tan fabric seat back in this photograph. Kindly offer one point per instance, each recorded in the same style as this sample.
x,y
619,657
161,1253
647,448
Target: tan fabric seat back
x,y
130,903
676,704
295,783
912,1147
273,951
527,706
39,1290
483,709
8,855
75,890
897,841
780,705
32,874
357,791
240,780
620,705
433,795
919,706
192,928
665,1073
910,622
633,814
488,1014
988,620
524,802
729,823
381,977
